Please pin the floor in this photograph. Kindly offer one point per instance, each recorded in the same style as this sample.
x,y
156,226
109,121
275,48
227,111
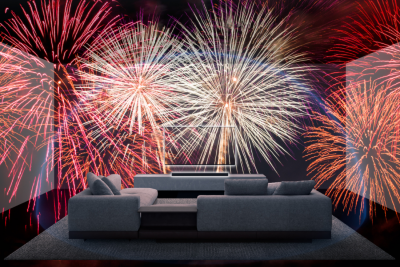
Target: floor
x,y
19,226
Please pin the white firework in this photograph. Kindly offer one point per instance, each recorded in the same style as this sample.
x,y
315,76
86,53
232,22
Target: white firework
x,y
125,76
240,69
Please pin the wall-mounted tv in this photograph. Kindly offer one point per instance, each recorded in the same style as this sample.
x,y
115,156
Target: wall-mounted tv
x,y
199,145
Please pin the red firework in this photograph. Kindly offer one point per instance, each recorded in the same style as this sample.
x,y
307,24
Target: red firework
x,y
26,87
374,27
55,31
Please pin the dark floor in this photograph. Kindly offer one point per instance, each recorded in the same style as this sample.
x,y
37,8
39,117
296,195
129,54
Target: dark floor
x,y
19,226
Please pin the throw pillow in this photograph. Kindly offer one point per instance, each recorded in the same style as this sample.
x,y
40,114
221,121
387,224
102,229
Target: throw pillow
x,y
295,188
97,186
110,184
91,177
246,186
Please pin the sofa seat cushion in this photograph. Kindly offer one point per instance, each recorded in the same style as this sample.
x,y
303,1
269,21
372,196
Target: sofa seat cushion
x,y
147,195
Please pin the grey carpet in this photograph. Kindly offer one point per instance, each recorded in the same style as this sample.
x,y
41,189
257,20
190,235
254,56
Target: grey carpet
x,y
53,244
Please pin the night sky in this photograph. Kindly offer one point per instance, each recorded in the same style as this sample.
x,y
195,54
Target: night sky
x,y
316,25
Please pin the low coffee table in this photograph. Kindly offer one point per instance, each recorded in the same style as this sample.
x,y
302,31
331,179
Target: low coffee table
x,y
168,221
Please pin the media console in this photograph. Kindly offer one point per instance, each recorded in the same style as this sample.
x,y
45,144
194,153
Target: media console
x,y
188,186
200,174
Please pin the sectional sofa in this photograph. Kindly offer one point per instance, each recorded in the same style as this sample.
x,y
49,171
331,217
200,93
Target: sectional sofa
x,y
236,215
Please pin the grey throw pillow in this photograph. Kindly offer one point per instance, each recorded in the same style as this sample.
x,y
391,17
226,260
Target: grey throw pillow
x,y
110,184
246,186
295,188
97,186
91,178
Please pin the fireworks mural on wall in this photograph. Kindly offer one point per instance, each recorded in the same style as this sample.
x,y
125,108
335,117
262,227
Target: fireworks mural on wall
x,y
126,84
240,70
357,145
231,65
26,117
369,51
56,30
126,73
374,27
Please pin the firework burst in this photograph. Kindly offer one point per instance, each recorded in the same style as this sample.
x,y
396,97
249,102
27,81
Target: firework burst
x,y
357,145
240,70
374,27
126,79
54,32
126,73
26,124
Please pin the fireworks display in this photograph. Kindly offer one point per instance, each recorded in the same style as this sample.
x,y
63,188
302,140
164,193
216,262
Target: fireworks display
x,y
56,30
126,83
127,74
357,145
46,104
374,27
26,114
240,69
368,130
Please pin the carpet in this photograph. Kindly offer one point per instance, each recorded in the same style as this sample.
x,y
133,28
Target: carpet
x,y
53,244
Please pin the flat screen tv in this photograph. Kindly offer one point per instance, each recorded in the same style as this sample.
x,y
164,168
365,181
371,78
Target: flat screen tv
x,y
199,145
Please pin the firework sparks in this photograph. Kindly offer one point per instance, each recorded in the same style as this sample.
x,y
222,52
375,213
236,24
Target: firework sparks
x,y
358,146
240,70
54,30
126,73
25,114
126,79
55,33
367,46
373,28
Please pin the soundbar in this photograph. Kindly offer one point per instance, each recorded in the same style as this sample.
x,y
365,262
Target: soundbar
x,y
199,174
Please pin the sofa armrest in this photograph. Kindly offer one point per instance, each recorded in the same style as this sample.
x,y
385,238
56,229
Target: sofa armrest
x,y
87,212
265,213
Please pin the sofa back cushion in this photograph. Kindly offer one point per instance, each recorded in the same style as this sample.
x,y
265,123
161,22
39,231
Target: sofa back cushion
x,y
97,186
246,186
295,188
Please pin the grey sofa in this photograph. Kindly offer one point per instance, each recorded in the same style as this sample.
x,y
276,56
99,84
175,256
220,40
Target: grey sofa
x,y
133,214
108,216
